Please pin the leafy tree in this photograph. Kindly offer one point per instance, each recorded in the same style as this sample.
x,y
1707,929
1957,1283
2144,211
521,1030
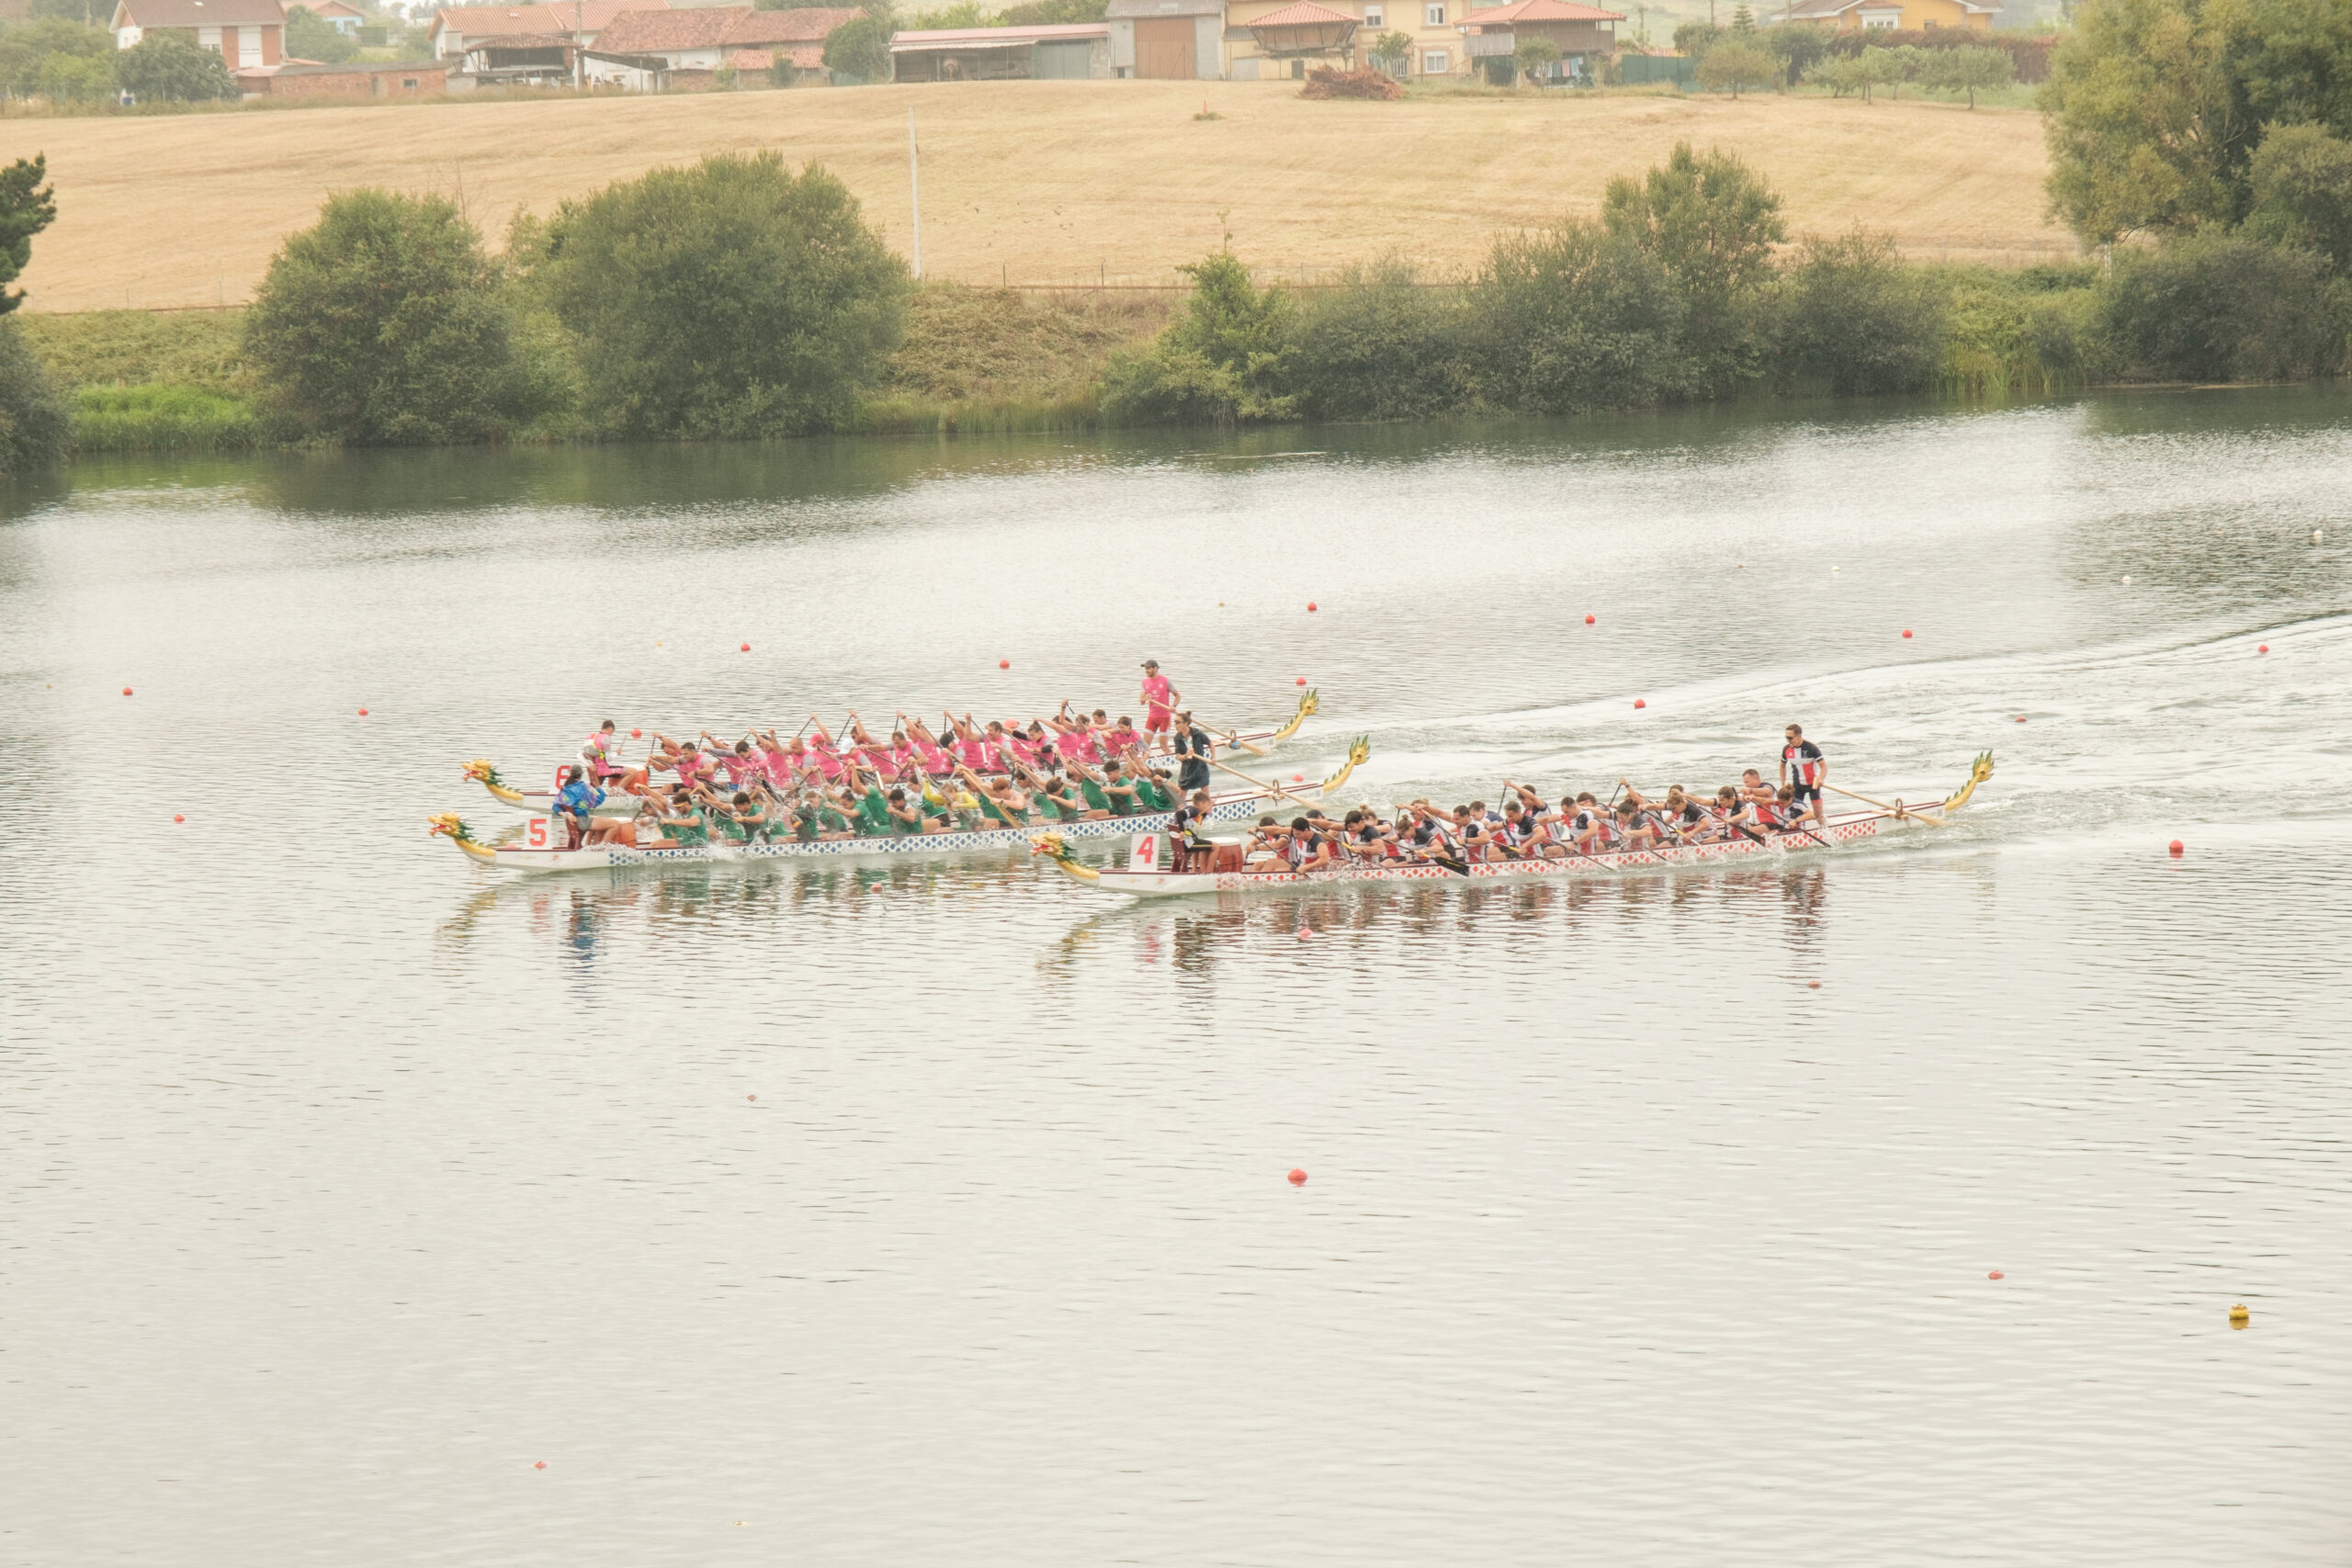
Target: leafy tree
x,y
310,36
860,46
2215,306
2302,192
1970,70
1710,222
1380,346
1394,46
28,205
167,68
1574,318
1534,56
1694,38
1851,74
1851,317
77,78
1223,362
962,14
27,47
380,325
88,13
1054,13
1798,46
36,426
732,298
1904,62
1737,65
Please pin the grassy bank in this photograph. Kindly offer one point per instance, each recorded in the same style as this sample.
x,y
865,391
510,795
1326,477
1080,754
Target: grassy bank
x,y
974,361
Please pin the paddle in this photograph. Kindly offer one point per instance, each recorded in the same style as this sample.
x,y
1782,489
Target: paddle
x,y
1270,788
1904,812
1233,739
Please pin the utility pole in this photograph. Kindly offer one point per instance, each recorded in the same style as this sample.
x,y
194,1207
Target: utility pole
x,y
914,188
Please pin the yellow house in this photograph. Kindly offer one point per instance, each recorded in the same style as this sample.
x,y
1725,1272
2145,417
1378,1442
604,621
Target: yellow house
x,y
1910,16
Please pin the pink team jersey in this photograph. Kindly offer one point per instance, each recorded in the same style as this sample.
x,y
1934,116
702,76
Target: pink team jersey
x,y
1155,692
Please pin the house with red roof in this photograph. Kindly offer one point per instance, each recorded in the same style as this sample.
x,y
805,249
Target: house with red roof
x,y
1064,50
460,31
682,50
1585,36
244,33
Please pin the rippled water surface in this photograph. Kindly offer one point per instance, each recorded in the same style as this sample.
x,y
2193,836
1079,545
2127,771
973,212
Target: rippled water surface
x,y
345,1183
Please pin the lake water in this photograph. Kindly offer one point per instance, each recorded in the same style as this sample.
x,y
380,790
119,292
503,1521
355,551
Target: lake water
x,y
344,1183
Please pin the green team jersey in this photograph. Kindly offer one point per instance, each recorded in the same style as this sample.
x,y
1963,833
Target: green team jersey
x,y
874,814
693,830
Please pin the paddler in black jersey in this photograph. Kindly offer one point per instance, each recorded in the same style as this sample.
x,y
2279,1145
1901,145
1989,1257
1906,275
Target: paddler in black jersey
x,y
1188,828
1192,744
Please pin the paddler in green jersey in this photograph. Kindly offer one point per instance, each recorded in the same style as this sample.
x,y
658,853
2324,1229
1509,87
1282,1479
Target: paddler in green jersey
x,y
684,824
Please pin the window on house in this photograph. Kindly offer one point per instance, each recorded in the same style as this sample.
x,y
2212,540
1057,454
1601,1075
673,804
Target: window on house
x,y
1433,15
1374,17
408,82
1433,63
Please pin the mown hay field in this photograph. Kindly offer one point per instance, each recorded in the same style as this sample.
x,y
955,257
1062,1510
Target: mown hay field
x,y
1029,183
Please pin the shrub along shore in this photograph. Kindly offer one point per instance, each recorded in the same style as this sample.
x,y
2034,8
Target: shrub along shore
x,y
772,309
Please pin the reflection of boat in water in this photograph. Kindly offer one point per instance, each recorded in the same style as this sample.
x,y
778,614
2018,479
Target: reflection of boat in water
x,y
1144,881
542,802
543,856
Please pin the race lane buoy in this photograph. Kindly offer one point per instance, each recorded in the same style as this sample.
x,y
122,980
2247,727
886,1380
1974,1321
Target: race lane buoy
x,y
1298,778
363,713
539,1464
1298,1179
2239,1316
1641,701
1310,606
1589,620
636,735
1906,631
177,818
751,1097
1813,984
126,690
2176,849
1300,682
1304,934
2262,648
1994,1275
745,649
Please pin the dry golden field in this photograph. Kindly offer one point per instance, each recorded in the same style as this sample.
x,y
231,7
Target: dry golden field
x,y
1033,182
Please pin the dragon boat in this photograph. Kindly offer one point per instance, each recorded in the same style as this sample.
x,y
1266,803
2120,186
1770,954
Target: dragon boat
x,y
1142,878
541,802
542,849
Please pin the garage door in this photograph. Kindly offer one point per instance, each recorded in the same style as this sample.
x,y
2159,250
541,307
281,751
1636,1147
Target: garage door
x,y
1063,61
1164,48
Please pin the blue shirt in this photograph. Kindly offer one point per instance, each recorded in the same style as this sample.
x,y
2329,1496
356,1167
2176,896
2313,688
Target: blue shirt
x,y
578,798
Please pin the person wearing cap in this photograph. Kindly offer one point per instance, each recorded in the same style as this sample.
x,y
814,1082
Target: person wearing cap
x,y
1159,702
1192,745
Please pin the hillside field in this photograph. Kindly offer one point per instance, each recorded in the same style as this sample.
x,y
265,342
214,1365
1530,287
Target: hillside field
x,y
1032,182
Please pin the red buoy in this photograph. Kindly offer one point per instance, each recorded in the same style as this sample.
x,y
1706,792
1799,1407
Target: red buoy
x,y
1298,778
1004,663
2176,849
363,713
177,818
1813,984
1302,681
1298,1178
126,690
751,1097
1906,631
2020,718
541,1464
636,735
1641,701
1994,1275
1306,935
1587,620
2264,649
1310,606
745,649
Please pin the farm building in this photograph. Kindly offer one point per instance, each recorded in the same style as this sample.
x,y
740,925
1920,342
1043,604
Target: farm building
x,y
311,79
1076,49
684,49
1585,35
1276,39
460,30
246,34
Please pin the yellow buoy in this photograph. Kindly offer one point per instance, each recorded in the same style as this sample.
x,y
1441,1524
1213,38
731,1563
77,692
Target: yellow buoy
x,y
2239,1316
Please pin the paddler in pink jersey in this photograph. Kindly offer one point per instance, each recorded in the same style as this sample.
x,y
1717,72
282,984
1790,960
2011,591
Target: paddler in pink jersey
x,y
929,755
1160,700
821,750
600,752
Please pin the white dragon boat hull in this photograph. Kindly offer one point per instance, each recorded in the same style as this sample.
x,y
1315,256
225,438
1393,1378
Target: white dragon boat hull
x,y
1177,884
548,856
1853,827
618,806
